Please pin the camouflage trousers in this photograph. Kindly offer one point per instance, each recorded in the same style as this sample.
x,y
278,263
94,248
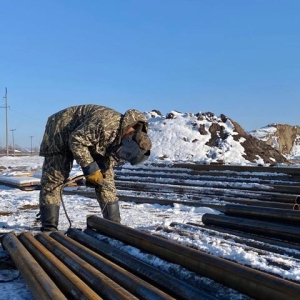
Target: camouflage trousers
x,y
55,172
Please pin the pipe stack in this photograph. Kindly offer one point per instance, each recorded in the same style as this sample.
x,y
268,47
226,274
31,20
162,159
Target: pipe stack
x,y
56,266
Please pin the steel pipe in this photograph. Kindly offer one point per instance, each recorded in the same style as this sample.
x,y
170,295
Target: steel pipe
x,y
254,202
236,168
220,184
196,201
166,282
39,283
206,176
284,232
130,282
259,194
287,189
191,187
297,203
290,247
271,214
228,195
100,283
244,279
67,281
274,197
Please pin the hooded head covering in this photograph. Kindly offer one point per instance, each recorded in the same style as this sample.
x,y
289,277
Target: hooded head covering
x,y
133,118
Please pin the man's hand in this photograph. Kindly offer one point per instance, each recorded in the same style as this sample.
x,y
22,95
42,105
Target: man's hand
x,y
95,178
92,174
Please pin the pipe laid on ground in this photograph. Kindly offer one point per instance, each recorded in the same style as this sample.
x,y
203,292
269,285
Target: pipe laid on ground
x,y
39,283
274,197
275,230
250,239
130,282
247,235
236,168
287,189
261,194
68,282
244,279
125,198
100,283
205,176
166,282
271,214
254,202
193,202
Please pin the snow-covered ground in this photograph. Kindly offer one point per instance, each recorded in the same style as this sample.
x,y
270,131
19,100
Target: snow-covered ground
x,y
19,208
175,139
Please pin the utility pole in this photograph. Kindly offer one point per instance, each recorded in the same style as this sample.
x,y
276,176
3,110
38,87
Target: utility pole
x,y
6,107
31,136
13,138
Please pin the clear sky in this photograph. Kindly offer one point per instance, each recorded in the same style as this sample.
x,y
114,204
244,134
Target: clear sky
x,y
240,58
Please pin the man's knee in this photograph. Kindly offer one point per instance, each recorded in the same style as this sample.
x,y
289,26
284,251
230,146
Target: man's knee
x,y
50,197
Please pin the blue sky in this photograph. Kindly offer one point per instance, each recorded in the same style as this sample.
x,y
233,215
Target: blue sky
x,y
240,58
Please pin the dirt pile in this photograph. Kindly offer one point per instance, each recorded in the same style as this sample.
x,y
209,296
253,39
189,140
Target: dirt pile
x,y
253,146
207,138
285,138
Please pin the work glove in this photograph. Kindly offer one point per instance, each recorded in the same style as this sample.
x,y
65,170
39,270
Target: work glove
x,y
93,175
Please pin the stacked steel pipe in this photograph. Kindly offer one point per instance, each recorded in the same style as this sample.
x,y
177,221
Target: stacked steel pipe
x,y
56,266
79,266
254,283
268,222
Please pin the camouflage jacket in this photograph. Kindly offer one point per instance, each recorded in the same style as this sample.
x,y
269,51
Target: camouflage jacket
x,y
87,131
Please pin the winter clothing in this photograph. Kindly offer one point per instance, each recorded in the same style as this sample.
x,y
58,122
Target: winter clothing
x,y
93,174
49,217
110,211
91,135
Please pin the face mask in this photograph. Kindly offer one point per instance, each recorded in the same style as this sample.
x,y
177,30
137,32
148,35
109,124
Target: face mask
x,y
131,152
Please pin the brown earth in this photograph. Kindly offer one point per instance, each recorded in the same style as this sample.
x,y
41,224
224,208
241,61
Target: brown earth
x,y
286,136
253,146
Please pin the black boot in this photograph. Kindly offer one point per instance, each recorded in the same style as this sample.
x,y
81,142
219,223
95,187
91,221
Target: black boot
x,y
49,217
110,211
